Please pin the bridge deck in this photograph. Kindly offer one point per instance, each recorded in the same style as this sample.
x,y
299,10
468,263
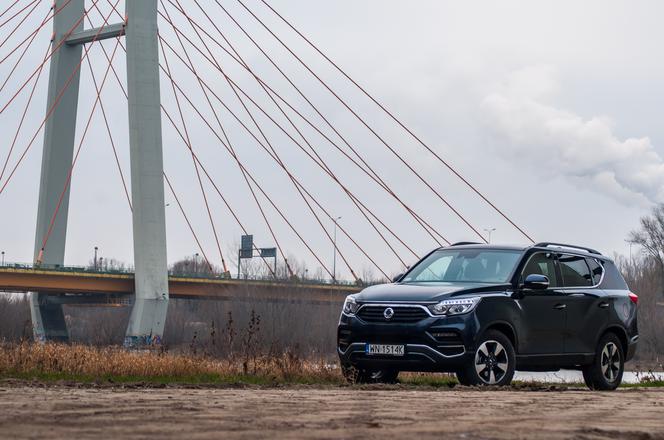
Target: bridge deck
x,y
120,284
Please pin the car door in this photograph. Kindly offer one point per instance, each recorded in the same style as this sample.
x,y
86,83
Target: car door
x,y
542,315
587,305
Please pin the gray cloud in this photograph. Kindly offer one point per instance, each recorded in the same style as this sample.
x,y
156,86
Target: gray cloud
x,y
558,142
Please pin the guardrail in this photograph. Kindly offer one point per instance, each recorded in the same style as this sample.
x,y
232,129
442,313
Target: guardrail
x,y
172,274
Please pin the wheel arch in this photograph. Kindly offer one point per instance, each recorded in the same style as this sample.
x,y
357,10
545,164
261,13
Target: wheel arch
x,y
505,328
620,333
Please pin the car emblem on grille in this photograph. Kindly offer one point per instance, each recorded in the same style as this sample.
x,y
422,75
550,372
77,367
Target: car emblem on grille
x,y
388,313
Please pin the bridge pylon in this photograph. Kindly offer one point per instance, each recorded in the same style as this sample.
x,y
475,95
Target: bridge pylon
x,y
146,324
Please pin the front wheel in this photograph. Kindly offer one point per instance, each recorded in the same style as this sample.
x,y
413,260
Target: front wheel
x,y
363,375
606,371
493,362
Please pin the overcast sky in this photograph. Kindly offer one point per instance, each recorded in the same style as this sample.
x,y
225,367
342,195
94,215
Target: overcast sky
x,y
550,108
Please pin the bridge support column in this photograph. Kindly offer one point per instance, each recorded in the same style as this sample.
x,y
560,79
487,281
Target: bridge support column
x,y
146,324
59,138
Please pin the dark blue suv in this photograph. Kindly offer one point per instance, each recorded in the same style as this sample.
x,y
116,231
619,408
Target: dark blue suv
x,y
484,311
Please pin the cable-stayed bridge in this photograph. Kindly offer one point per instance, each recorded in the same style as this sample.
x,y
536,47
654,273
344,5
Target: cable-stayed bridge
x,y
210,58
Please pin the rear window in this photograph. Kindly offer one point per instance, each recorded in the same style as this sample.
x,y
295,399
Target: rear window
x,y
613,280
575,271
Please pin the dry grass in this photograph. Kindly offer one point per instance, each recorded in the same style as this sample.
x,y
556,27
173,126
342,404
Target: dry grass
x,y
79,362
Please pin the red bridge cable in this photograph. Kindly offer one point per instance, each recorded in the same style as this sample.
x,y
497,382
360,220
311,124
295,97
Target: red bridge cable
x,y
198,242
78,152
22,121
198,173
108,127
378,136
260,208
280,162
308,122
20,23
228,206
256,183
64,39
214,185
326,167
20,58
401,124
57,100
249,131
9,8
36,31
261,144
33,2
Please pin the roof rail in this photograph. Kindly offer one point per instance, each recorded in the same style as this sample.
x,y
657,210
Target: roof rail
x,y
570,246
463,243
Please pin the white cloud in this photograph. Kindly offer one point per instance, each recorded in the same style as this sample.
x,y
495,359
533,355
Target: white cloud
x,y
558,142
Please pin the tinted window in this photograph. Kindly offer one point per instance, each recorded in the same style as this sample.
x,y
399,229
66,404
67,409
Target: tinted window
x,y
612,278
575,271
596,270
465,265
541,264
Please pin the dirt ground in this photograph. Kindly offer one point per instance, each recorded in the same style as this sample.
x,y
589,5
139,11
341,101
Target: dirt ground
x,y
328,413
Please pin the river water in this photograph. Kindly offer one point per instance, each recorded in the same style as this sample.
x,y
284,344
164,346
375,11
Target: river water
x,y
572,376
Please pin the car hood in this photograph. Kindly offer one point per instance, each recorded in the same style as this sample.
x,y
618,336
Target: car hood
x,y
424,292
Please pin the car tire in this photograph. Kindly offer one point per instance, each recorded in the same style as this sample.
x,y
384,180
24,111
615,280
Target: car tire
x,y
492,363
357,375
606,371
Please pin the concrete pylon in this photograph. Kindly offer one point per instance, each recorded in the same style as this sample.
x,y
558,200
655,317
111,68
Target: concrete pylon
x,y
146,324
48,321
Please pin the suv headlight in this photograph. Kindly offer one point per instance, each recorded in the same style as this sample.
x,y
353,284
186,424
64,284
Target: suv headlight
x,y
455,306
350,305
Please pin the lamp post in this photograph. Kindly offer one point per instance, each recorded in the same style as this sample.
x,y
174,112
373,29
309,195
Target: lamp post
x,y
489,231
334,259
3,258
96,249
630,251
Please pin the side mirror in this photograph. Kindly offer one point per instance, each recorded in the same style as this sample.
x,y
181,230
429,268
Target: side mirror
x,y
536,282
398,277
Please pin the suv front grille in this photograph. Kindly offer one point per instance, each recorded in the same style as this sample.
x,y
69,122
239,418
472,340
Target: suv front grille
x,y
401,314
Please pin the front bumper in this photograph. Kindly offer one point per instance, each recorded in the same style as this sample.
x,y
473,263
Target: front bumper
x,y
438,344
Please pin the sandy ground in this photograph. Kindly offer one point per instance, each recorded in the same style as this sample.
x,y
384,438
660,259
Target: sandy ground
x,y
71,412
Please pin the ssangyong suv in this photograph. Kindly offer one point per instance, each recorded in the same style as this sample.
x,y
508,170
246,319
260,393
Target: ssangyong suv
x,y
484,311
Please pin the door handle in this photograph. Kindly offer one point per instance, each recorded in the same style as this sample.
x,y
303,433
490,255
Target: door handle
x,y
603,305
560,306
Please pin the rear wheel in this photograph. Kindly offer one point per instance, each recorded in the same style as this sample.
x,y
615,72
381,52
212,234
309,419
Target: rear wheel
x,y
355,374
606,371
493,362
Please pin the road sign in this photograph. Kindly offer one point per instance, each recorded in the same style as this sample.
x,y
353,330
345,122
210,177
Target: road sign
x,y
247,242
269,252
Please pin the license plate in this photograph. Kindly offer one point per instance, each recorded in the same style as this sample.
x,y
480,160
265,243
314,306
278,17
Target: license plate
x,y
389,350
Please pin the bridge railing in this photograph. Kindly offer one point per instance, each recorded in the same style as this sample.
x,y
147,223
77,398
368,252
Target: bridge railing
x,y
172,274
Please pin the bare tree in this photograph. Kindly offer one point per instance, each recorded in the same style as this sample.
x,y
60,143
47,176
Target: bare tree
x,y
650,237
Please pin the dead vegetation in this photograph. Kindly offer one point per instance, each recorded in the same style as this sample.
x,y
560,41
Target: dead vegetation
x,y
80,362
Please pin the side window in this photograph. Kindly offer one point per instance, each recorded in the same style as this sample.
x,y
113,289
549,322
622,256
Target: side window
x,y
596,270
575,271
542,264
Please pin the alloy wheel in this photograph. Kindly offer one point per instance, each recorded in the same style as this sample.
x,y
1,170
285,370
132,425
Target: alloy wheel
x,y
610,362
491,362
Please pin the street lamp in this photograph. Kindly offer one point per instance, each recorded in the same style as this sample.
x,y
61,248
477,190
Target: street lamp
x,y
3,258
489,231
96,249
334,259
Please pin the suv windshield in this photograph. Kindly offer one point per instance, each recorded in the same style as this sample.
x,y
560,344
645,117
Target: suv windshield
x,y
465,265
